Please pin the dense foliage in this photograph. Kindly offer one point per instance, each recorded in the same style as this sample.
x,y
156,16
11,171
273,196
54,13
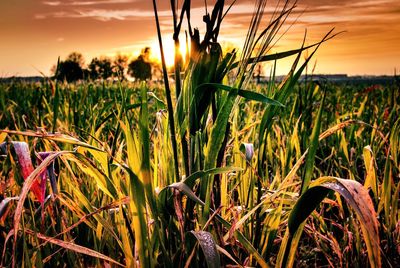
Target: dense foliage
x,y
223,172
98,114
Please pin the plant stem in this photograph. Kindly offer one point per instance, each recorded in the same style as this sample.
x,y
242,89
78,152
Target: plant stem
x,y
168,95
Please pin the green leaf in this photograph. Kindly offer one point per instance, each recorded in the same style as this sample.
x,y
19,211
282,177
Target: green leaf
x,y
285,54
309,166
247,94
160,103
251,95
395,141
137,193
202,173
56,102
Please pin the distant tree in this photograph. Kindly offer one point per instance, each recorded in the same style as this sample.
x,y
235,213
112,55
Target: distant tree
x,y
71,69
140,68
76,57
100,68
120,64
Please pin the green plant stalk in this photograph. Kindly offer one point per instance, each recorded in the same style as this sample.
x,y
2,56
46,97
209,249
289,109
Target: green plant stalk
x,y
55,108
285,89
145,138
286,255
139,219
56,100
177,64
178,82
145,166
168,96
214,146
386,191
309,166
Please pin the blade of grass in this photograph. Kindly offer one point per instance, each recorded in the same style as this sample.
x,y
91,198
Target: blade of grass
x,y
247,94
73,247
54,137
312,149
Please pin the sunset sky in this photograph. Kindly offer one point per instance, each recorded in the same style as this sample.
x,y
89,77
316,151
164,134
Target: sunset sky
x,y
34,32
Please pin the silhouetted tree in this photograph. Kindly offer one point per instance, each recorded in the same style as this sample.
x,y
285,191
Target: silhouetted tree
x,y
76,57
140,68
100,68
71,69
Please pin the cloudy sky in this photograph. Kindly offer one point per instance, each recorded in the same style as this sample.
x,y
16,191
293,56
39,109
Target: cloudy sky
x,y
34,32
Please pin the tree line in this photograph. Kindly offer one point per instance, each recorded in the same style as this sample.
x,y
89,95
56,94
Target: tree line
x,y
74,68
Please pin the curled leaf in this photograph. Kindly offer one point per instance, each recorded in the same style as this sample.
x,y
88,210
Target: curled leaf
x,y
248,150
4,204
21,151
209,248
355,195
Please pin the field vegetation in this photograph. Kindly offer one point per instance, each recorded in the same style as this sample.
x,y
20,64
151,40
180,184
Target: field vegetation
x,y
212,170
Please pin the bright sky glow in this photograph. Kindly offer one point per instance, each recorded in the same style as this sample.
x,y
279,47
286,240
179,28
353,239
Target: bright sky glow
x,y
35,33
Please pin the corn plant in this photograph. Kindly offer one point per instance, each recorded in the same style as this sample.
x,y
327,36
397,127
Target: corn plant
x,y
223,172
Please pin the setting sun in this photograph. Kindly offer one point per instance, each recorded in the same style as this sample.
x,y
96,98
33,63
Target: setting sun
x,y
169,51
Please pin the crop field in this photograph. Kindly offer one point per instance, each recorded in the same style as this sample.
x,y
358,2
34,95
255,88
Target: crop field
x,y
205,169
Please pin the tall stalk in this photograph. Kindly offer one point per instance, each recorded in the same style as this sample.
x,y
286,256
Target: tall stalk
x,y
168,95
178,68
